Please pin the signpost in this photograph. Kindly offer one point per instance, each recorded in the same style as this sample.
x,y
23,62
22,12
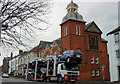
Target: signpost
x,y
103,72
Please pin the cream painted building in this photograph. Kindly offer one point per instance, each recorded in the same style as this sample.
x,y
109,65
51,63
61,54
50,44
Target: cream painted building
x,y
24,58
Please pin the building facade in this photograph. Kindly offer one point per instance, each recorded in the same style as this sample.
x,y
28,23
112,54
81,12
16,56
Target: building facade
x,y
77,35
24,58
49,48
21,64
114,54
13,65
5,66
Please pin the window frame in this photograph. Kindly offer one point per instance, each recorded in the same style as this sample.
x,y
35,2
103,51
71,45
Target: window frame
x,y
76,30
97,60
39,54
92,58
93,42
66,30
55,52
92,72
79,30
97,72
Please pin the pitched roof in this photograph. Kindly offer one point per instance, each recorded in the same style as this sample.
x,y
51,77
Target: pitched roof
x,y
58,41
103,40
92,27
113,31
43,44
35,49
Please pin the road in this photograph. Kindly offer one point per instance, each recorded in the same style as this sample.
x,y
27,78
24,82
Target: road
x,y
12,80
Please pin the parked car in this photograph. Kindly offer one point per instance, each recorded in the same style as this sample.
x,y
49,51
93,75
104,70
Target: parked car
x,y
74,56
5,75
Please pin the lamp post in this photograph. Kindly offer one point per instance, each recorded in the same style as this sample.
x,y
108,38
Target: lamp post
x,y
103,72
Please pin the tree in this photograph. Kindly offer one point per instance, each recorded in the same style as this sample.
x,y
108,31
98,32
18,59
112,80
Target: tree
x,y
19,19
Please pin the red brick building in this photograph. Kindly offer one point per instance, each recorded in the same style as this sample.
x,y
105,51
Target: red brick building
x,y
49,48
77,35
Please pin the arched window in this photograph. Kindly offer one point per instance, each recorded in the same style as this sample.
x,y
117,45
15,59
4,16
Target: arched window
x,y
39,54
76,30
66,30
79,30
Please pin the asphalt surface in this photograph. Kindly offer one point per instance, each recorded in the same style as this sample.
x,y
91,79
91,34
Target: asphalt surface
x,y
0,79
12,80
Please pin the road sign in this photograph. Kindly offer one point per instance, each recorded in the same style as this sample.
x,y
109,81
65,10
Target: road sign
x,y
103,66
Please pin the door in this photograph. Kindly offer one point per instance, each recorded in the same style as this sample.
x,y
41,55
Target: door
x,y
118,73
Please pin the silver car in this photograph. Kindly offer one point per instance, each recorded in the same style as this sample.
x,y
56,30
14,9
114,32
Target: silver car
x,y
5,75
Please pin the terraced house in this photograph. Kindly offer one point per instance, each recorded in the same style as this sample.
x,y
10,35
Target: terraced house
x,y
77,35
25,57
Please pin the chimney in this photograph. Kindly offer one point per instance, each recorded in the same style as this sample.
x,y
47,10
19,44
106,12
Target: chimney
x,y
20,51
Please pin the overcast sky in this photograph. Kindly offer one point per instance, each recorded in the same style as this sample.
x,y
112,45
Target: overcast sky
x,y
104,13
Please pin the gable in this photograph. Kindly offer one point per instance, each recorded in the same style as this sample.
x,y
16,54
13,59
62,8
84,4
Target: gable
x,y
92,27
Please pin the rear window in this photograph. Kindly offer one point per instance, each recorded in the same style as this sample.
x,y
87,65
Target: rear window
x,y
77,52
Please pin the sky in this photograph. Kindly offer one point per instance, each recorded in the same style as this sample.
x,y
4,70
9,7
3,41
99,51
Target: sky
x,y
103,12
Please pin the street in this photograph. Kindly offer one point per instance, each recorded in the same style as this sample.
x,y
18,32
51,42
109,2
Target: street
x,y
12,80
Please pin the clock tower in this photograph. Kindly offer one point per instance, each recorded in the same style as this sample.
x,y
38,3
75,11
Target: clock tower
x,y
72,29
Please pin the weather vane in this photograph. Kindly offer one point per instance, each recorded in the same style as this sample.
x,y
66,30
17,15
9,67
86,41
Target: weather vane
x,y
71,0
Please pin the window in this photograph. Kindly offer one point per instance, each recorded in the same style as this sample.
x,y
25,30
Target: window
x,y
92,60
116,37
79,30
93,42
42,53
66,30
118,53
96,60
76,30
92,72
47,54
39,54
97,72
55,53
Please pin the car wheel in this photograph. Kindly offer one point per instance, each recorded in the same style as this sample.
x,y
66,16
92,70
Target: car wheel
x,y
60,79
68,60
48,79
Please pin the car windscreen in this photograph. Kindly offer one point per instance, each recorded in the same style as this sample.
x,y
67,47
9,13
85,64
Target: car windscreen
x,y
77,52
77,68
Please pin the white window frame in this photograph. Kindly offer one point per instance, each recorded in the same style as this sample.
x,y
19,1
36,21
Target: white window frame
x,y
76,30
66,30
92,58
92,72
39,54
55,53
97,73
42,54
79,30
47,54
97,60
